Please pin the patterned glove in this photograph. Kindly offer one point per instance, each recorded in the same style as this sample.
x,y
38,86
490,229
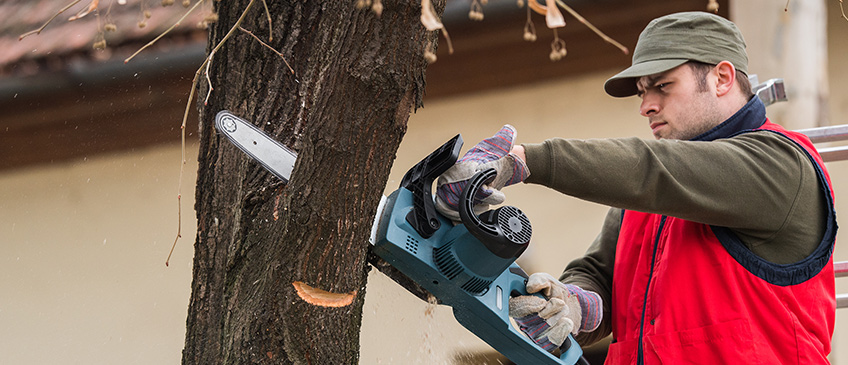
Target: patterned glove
x,y
493,152
567,309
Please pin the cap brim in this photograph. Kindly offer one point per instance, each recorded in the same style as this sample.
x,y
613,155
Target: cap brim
x,y
624,83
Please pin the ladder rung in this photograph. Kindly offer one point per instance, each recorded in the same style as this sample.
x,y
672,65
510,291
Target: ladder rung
x,y
826,134
841,300
840,268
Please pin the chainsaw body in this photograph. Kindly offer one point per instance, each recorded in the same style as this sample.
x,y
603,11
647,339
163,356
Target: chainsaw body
x,y
469,267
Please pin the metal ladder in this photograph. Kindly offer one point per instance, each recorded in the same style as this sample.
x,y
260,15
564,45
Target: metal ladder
x,y
773,91
830,154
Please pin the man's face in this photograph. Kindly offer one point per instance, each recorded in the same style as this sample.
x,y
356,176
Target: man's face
x,y
676,106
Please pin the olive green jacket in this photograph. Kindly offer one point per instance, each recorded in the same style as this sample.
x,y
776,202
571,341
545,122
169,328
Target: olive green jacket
x,y
760,185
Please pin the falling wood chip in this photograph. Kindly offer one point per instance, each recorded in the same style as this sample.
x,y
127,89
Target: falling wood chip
x,y
428,16
323,298
91,7
553,18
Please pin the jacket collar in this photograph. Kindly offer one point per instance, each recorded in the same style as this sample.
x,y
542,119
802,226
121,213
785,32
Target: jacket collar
x,y
751,116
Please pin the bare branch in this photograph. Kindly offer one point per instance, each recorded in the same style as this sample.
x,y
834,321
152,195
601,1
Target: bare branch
x,y
208,80
165,32
592,27
269,47
841,9
188,108
38,31
270,28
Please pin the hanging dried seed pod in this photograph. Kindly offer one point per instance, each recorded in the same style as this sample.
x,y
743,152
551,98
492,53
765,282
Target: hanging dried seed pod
x,y
529,28
377,7
211,18
476,12
712,6
430,57
558,50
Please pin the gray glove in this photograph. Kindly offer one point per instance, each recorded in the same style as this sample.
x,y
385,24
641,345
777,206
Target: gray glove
x,y
493,152
566,309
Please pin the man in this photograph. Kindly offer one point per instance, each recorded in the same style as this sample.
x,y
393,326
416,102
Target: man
x,y
718,248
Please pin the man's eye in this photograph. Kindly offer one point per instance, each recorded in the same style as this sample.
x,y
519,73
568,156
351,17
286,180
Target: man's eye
x,y
662,86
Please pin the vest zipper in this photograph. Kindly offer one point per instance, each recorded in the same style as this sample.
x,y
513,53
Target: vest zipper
x,y
640,359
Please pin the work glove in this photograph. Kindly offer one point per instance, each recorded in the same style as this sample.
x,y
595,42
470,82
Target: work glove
x,y
565,309
493,152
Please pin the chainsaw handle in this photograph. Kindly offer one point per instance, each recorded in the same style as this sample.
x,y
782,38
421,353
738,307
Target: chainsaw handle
x,y
505,231
419,180
570,351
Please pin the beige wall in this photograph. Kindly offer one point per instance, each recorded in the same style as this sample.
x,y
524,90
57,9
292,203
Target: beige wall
x,y
82,252
838,114
82,244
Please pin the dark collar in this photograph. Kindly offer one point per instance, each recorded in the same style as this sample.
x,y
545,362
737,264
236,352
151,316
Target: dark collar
x,y
751,116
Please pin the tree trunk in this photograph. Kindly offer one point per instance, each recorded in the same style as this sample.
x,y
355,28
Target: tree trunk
x,y
357,78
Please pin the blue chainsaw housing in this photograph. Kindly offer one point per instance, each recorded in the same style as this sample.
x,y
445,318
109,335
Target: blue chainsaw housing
x,y
459,269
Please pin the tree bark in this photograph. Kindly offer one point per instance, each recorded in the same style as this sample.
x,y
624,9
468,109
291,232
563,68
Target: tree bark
x,y
357,78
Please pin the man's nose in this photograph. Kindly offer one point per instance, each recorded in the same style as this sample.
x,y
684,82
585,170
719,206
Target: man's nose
x,y
649,106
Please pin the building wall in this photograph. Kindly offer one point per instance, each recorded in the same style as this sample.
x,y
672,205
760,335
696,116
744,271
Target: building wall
x,y
82,253
83,244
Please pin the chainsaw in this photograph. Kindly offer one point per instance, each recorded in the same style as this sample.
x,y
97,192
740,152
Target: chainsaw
x,y
469,267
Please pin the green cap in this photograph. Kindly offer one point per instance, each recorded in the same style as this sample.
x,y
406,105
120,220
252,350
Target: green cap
x,y
672,40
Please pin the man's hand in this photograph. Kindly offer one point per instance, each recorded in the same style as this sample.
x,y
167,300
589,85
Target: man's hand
x,y
493,152
565,309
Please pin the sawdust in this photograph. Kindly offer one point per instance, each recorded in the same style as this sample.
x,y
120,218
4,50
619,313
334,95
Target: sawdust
x,y
427,343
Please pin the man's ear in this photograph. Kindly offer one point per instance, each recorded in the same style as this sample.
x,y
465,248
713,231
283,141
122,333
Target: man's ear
x,y
725,77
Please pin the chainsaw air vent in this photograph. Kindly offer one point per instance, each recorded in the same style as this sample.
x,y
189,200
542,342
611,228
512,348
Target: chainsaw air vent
x,y
515,225
451,266
446,261
476,285
411,245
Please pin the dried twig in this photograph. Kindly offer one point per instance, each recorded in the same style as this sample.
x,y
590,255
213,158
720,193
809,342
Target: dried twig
x,y
208,80
592,27
38,31
841,9
529,28
188,108
270,27
269,47
165,32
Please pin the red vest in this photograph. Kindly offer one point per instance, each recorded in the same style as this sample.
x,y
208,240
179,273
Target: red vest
x,y
686,292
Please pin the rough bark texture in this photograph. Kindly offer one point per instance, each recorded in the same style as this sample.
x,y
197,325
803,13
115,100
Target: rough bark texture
x,y
358,77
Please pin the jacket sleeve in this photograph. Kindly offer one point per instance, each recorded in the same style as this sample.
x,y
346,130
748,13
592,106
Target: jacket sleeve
x,y
593,272
728,182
